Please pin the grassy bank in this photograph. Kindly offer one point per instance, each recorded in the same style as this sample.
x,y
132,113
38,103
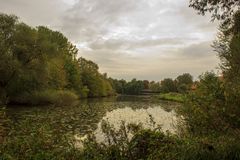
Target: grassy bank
x,y
176,97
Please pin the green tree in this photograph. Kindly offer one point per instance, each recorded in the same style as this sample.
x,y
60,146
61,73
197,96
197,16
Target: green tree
x,y
216,100
22,68
155,86
204,109
134,87
228,48
8,64
146,84
97,84
184,82
168,85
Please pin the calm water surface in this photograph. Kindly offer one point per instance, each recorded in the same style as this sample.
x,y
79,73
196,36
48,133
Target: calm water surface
x,y
86,115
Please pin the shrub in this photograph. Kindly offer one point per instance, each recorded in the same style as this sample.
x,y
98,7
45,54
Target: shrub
x,y
57,97
155,144
204,109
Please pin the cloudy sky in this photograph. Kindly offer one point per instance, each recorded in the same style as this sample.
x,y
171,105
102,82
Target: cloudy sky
x,y
145,39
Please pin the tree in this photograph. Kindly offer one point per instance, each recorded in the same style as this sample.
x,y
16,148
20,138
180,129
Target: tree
x,y
228,48
8,63
22,68
168,85
97,84
204,109
184,82
226,108
155,86
220,9
146,84
185,78
134,87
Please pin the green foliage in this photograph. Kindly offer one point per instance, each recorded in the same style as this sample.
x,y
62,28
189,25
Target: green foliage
x,y
155,86
227,46
155,144
185,78
36,59
177,97
211,111
58,97
204,108
31,141
214,107
146,84
220,9
98,84
183,88
184,82
168,85
134,87
181,84
118,85
37,65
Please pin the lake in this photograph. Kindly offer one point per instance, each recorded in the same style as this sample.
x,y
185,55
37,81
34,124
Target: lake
x,y
85,116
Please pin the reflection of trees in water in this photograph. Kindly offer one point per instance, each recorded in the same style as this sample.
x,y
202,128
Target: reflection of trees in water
x,y
81,118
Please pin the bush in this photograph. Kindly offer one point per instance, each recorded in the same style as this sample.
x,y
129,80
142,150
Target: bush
x,y
204,109
155,144
57,97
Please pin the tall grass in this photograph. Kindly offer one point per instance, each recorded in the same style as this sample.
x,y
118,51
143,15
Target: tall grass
x,y
177,97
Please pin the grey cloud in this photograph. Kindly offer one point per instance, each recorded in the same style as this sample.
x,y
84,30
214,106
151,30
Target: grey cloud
x,y
89,19
199,50
195,59
35,12
147,39
133,44
201,23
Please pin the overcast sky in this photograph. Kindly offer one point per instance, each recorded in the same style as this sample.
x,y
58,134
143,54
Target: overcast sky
x,y
143,39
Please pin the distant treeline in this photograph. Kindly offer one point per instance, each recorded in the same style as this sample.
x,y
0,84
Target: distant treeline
x,y
39,65
182,84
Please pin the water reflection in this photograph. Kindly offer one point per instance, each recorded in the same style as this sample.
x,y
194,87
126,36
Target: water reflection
x,y
136,116
85,116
